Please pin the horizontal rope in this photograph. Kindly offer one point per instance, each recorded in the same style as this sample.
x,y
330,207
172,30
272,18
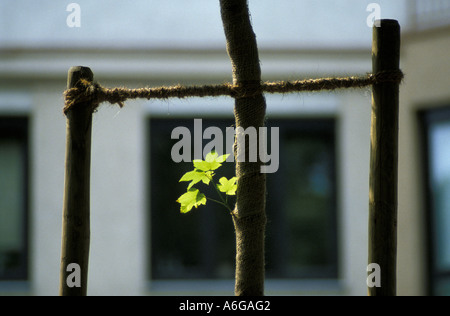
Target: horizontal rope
x,y
94,93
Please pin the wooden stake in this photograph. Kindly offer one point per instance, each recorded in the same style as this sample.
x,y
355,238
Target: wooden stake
x,y
76,206
384,160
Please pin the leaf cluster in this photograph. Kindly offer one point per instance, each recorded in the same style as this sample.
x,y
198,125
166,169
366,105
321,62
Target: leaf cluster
x,y
204,172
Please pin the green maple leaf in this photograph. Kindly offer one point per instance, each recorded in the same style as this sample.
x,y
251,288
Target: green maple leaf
x,y
204,171
192,198
196,176
227,186
212,162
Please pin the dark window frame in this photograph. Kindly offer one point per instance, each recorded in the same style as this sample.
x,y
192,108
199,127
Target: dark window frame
x,y
319,127
426,119
167,124
323,129
17,128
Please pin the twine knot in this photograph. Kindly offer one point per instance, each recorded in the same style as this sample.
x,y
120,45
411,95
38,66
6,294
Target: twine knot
x,y
91,93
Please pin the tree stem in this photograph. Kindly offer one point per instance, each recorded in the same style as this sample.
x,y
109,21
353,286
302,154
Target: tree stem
x,y
249,214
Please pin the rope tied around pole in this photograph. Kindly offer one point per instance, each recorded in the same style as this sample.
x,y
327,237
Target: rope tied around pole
x,y
94,94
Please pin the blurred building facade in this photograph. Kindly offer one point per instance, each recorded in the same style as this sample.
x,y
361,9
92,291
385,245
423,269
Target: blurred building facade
x,y
317,202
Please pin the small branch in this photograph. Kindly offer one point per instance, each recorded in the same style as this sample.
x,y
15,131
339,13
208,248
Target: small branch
x,y
221,203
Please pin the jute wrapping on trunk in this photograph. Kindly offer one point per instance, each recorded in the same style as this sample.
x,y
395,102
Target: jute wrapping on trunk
x,y
249,214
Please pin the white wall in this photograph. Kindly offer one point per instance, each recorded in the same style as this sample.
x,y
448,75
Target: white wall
x,y
47,186
354,161
118,236
426,64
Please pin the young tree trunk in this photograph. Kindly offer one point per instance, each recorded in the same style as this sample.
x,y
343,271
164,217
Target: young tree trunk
x,y
249,214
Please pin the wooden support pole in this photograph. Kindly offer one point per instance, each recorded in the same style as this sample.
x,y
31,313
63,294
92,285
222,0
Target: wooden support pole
x,y
76,205
384,160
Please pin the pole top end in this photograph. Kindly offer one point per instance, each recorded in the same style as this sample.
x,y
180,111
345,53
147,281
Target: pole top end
x,y
386,23
76,73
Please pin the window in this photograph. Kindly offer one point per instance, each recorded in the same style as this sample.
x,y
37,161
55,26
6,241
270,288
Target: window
x,y
436,128
301,235
301,203
197,245
13,198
